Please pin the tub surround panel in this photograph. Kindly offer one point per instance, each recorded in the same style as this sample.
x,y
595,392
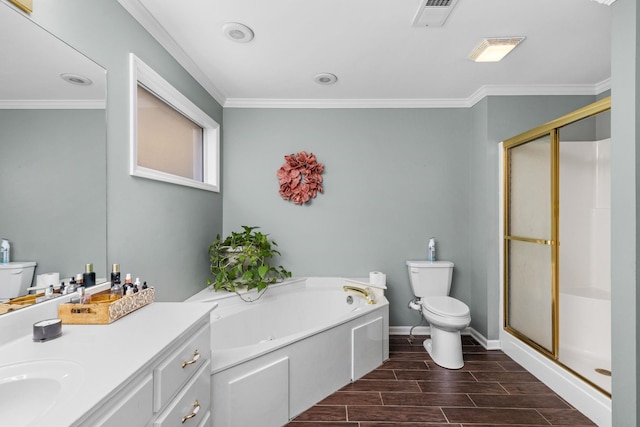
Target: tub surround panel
x,y
366,353
272,406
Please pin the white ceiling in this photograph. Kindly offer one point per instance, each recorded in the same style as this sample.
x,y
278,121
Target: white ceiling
x,y
379,57
32,62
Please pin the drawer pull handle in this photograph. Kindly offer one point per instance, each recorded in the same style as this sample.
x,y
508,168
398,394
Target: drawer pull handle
x,y
196,408
196,356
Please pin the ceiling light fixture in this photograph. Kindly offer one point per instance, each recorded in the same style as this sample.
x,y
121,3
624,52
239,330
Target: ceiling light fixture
x,y
237,32
325,78
493,49
76,79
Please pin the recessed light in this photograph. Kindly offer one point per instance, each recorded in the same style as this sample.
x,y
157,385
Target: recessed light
x,y
238,32
494,49
76,79
325,78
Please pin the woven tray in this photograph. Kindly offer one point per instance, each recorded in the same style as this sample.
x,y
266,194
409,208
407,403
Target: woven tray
x,y
104,309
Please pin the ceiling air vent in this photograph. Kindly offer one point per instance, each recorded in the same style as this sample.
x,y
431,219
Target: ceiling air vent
x,y
433,13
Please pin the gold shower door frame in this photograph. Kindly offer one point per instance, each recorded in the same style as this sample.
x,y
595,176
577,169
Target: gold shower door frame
x,y
550,130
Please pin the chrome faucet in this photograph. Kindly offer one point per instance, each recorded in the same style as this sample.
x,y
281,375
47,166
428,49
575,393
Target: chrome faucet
x,y
367,293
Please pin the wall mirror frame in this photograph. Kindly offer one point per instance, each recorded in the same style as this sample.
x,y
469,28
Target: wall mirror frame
x,y
52,150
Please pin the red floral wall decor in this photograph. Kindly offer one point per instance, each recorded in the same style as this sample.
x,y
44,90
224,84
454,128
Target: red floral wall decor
x,y
300,177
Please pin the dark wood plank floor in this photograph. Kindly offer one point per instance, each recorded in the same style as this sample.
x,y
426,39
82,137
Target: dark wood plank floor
x,y
409,390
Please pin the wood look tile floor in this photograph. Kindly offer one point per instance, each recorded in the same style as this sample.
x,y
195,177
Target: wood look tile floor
x,y
410,390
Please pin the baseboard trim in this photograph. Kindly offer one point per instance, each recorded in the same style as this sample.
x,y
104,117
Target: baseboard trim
x,y
426,330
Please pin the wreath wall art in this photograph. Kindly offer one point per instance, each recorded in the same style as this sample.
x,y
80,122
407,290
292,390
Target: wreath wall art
x,y
300,177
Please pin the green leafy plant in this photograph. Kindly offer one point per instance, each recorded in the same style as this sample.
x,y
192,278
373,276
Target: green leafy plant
x,y
242,260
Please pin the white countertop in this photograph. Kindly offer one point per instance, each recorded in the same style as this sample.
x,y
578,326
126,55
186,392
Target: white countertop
x,y
109,354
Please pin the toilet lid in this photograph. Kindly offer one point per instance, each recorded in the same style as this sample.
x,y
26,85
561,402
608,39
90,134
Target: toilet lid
x,y
445,306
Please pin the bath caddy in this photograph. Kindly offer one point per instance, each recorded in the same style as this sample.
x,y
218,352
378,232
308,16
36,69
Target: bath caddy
x,y
104,308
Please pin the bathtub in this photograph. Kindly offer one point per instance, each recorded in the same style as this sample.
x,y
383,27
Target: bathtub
x,y
299,342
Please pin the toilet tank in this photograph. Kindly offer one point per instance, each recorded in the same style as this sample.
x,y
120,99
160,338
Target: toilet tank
x,y
15,278
430,278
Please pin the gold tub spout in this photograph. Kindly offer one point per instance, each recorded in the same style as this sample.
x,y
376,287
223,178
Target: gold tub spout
x,y
367,293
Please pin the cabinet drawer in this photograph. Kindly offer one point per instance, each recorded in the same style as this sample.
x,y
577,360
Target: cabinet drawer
x,y
195,398
171,374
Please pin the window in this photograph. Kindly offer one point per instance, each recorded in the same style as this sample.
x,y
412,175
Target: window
x,y
172,140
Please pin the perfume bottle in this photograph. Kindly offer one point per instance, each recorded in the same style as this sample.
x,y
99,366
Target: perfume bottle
x,y
89,276
116,286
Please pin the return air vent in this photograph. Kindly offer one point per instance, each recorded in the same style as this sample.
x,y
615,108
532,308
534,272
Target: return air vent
x,y
433,13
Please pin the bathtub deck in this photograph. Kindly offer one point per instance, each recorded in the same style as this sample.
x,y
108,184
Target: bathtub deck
x,y
409,390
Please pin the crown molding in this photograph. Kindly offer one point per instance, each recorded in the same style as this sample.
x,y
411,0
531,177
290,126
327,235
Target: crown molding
x,y
149,23
477,96
344,103
55,104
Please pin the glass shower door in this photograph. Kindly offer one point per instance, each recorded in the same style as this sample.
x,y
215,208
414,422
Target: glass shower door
x,y
530,243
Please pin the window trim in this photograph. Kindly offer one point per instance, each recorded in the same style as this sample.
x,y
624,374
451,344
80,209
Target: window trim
x,y
143,75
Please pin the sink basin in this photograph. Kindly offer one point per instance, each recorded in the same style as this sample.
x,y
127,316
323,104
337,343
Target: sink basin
x,y
30,389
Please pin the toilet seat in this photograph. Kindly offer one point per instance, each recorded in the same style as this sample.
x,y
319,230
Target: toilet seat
x,y
445,306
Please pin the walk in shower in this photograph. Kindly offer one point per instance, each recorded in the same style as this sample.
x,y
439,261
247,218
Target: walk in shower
x,y
557,273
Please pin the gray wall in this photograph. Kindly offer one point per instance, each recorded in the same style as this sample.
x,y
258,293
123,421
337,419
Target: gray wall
x,y
157,231
53,198
393,178
625,96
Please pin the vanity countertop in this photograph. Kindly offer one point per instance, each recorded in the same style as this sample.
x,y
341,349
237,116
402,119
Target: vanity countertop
x,y
109,355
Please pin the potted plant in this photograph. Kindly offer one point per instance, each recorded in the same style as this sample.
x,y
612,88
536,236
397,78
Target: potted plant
x,y
242,260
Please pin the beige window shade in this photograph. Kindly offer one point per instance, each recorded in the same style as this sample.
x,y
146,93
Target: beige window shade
x,y
167,141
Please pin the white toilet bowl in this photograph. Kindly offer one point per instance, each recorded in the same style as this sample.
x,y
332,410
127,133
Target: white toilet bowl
x,y
447,317
431,283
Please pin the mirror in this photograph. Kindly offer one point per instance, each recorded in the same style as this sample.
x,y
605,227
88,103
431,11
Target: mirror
x,y
52,151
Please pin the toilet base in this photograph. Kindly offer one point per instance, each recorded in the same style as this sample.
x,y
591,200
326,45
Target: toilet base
x,y
445,348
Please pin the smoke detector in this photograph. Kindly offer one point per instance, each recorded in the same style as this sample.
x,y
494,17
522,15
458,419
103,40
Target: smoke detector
x,y
433,13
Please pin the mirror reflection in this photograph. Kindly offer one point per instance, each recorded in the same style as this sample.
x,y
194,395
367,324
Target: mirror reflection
x,y
52,160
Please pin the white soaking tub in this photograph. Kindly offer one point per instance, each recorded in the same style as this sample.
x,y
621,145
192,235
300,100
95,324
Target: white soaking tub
x,y
302,340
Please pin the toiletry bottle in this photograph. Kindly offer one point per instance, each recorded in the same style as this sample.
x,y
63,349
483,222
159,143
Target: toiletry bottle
x,y
79,280
116,286
5,252
115,274
72,286
116,289
432,249
127,284
136,285
89,276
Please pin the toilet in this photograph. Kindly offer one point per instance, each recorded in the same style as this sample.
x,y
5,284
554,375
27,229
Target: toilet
x,y
447,316
15,278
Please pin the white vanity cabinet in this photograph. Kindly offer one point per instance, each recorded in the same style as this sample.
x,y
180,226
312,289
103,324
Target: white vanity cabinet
x,y
150,368
173,391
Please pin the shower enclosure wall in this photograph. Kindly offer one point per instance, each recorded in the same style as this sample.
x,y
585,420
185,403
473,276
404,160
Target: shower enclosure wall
x,y
556,256
585,259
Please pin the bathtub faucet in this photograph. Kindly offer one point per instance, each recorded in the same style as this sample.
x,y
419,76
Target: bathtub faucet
x,y
367,293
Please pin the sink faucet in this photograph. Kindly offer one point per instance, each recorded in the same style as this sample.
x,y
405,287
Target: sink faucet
x,y
367,293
